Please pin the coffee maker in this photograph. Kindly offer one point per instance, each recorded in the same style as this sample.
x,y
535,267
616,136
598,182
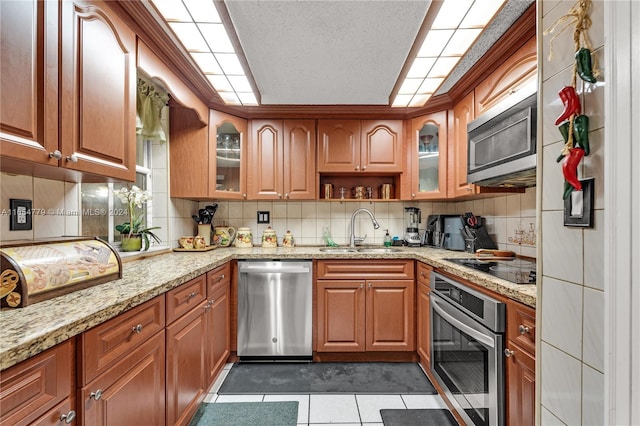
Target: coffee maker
x,y
413,218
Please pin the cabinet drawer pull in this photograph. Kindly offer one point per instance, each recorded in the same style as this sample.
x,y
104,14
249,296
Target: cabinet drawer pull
x,y
96,395
357,168
191,295
73,158
364,168
423,275
508,352
55,154
370,285
68,418
137,329
523,329
220,278
361,285
207,305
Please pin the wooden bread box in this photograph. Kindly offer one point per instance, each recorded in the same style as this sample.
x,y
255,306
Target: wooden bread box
x,y
37,270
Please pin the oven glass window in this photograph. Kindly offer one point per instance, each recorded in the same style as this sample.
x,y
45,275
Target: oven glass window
x,y
464,365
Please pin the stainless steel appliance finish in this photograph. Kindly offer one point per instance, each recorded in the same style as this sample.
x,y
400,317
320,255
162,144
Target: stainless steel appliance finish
x,y
502,142
467,342
413,217
274,309
516,270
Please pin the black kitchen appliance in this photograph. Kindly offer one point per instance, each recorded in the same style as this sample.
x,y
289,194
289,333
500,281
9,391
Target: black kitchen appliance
x,y
454,232
516,270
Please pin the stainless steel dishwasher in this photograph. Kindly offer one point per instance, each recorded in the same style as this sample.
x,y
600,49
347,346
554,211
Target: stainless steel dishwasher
x,y
274,309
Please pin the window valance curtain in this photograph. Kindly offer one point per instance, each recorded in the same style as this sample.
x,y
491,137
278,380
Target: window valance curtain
x,y
149,104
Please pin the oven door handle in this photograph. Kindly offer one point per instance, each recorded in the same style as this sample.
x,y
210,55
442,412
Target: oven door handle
x,y
440,308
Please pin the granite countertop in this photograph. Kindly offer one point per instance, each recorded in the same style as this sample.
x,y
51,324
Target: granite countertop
x,y
30,330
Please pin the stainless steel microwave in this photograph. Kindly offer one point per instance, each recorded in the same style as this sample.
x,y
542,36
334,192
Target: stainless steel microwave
x,y
502,142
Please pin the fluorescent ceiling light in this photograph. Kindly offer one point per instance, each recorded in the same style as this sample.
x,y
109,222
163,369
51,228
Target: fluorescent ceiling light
x,y
455,28
198,26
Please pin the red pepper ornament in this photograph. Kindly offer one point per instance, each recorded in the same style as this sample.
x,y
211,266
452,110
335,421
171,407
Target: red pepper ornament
x,y
569,98
570,167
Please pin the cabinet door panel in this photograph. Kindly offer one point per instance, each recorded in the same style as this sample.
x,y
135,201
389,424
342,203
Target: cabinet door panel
x,y
390,315
218,329
381,146
265,157
341,316
29,101
462,114
429,161
227,176
521,387
299,159
32,387
132,391
338,145
98,95
424,325
185,365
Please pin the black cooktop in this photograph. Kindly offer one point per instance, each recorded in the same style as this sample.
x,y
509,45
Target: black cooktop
x,y
519,271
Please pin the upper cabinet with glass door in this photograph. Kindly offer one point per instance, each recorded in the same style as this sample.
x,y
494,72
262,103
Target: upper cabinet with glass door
x,y
227,140
428,157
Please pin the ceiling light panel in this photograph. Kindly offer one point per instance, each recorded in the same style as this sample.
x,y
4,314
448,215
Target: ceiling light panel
x,y
198,26
455,28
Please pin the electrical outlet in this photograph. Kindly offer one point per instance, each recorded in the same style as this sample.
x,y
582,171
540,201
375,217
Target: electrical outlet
x,y
21,213
263,217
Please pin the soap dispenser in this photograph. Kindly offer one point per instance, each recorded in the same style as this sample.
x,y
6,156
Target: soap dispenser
x,y
387,238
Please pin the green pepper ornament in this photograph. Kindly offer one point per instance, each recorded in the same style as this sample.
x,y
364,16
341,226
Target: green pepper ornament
x,y
581,132
564,131
583,65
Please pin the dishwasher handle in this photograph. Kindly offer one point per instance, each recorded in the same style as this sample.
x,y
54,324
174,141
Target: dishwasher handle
x,y
275,267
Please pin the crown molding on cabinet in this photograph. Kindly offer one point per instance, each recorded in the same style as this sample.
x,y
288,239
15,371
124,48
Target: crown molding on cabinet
x,y
140,17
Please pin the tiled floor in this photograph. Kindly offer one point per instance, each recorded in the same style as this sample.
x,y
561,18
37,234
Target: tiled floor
x,y
334,409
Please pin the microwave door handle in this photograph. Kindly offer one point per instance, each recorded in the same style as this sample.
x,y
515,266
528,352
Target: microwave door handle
x,y
480,337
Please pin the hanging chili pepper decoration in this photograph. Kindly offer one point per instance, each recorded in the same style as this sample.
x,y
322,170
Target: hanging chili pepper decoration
x,y
581,132
583,65
564,131
570,167
571,103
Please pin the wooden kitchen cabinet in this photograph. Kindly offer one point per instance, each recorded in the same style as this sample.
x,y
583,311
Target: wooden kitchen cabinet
x,y
461,115
28,81
186,334
427,156
282,160
132,391
227,156
354,146
121,368
520,364
365,306
97,96
218,340
513,74
41,389
423,342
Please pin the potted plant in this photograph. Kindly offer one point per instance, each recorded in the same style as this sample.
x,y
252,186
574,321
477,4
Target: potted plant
x,y
133,233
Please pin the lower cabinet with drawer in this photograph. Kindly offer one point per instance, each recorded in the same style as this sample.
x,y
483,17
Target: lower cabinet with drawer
x,y
218,320
520,364
121,369
365,306
40,390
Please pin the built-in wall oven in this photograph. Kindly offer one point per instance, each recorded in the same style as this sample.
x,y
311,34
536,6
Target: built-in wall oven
x,y
467,342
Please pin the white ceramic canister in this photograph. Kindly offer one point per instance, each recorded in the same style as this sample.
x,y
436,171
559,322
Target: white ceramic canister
x,y
269,238
244,237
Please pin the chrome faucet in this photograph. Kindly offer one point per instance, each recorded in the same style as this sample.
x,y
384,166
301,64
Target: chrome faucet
x,y
353,238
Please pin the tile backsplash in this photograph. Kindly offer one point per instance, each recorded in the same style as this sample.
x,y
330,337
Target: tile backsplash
x,y
510,219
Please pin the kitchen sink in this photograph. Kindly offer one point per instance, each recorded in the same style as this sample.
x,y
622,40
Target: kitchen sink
x,y
359,250
378,250
338,250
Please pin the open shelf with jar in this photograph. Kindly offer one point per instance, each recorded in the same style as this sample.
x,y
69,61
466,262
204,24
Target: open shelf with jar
x,y
359,188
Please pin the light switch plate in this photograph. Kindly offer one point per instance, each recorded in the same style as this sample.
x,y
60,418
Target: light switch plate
x,y
263,217
578,207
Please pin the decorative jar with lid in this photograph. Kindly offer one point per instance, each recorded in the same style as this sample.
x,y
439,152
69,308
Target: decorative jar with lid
x,y
269,238
288,240
244,237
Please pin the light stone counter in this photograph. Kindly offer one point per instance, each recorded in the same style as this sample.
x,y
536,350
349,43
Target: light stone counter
x,y
27,331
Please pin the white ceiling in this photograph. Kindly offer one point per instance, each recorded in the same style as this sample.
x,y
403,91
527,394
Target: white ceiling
x,y
326,52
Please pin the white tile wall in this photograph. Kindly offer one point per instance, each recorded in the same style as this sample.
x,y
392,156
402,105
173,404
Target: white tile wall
x,y
571,311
